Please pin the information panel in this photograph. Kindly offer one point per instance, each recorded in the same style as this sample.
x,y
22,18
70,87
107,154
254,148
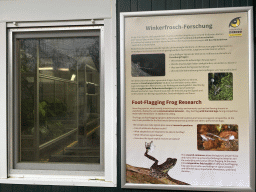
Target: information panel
x,y
186,99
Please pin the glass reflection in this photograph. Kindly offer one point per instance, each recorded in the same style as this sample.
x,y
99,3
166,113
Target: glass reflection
x,y
59,100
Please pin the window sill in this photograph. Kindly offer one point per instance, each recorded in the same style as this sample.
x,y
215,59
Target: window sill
x,y
96,181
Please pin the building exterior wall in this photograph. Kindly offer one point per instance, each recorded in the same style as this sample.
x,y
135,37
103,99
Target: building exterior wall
x,y
124,6
63,10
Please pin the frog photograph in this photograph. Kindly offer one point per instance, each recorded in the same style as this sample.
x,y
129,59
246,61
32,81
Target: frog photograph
x,y
156,174
217,137
220,86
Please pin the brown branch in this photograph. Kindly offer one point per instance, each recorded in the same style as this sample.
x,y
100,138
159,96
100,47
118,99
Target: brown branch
x,y
176,181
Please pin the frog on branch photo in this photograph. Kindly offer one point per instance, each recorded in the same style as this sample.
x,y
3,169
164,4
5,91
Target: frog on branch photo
x,y
159,171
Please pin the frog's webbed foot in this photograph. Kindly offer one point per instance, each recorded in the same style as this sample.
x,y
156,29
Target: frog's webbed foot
x,y
148,145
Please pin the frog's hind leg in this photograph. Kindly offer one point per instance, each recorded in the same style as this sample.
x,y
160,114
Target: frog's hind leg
x,y
151,157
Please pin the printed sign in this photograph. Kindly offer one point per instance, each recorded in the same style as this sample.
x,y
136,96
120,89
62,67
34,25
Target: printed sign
x,y
186,100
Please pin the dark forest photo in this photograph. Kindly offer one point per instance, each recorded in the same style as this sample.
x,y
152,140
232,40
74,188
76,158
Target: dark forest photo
x,y
148,65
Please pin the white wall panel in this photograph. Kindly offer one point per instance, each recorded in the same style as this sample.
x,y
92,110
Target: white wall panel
x,y
42,10
3,130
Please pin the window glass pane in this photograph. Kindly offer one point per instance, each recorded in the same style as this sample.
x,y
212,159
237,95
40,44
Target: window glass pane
x,y
27,90
59,100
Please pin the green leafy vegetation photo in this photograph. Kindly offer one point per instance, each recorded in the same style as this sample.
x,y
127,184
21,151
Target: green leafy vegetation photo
x,y
220,86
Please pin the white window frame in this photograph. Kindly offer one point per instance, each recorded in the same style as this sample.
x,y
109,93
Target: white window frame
x,y
54,32
57,177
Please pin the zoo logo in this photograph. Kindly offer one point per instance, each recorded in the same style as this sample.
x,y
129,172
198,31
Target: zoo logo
x,y
235,22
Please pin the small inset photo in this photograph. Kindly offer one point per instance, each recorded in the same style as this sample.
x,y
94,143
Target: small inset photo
x,y
148,65
220,86
217,137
